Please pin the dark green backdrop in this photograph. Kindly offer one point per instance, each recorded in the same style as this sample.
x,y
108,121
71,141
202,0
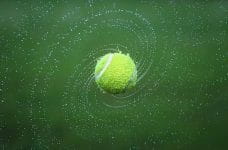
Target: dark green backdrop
x,y
48,51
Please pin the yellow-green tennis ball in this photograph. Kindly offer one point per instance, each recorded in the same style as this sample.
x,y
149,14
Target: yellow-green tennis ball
x,y
115,73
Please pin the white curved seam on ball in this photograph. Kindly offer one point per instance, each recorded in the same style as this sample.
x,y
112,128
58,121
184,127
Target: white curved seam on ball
x,y
105,67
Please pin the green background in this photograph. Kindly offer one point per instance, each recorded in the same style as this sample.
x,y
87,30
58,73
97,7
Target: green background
x,y
48,97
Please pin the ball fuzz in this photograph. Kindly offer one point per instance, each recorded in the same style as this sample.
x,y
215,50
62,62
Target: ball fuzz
x,y
115,73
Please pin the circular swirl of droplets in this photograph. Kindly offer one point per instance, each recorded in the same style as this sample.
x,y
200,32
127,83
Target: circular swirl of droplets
x,y
86,106
141,48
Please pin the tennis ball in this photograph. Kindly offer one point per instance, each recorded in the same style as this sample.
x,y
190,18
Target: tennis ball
x,y
115,73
